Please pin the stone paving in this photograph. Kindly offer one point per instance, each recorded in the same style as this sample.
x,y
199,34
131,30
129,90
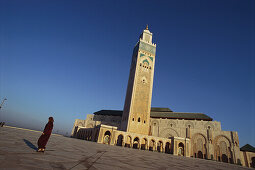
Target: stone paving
x,y
18,151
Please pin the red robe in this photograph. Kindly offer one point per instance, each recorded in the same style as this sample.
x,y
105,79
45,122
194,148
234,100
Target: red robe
x,y
42,141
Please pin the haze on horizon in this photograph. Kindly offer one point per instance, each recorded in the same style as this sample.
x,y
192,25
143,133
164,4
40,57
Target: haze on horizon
x,y
67,59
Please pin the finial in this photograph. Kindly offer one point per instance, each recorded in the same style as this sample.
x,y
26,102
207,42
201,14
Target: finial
x,y
147,27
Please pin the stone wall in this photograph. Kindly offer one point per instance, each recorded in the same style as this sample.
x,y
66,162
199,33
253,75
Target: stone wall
x,y
174,145
207,140
247,159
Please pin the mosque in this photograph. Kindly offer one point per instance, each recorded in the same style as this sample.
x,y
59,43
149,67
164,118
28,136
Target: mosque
x,y
141,126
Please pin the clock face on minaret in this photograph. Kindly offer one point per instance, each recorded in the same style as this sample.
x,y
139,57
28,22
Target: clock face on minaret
x,y
136,112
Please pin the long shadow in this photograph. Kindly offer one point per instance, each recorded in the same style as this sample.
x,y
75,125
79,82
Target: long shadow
x,y
30,144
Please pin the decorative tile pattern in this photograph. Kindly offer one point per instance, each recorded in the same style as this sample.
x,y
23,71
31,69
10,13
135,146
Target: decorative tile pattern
x,y
146,47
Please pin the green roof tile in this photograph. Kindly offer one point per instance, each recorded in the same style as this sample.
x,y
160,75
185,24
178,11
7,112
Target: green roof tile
x,y
160,109
109,112
247,148
181,115
157,112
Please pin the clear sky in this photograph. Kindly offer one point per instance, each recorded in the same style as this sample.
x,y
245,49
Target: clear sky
x,y
67,59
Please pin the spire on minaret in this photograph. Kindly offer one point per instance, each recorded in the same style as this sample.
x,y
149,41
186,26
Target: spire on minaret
x,y
146,35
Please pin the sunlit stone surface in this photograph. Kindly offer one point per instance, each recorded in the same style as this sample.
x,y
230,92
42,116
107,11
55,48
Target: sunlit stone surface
x,y
17,151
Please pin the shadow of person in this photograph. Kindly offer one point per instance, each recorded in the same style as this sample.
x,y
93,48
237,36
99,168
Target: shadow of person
x,y
30,144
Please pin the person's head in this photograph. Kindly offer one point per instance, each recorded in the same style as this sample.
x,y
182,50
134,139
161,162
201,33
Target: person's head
x,y
51,119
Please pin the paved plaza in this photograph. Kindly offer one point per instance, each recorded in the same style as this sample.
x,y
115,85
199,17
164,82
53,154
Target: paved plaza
x,y
18,151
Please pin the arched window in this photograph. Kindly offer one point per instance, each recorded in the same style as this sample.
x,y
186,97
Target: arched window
x,y
160,146
152,145
139,119
133,119
181,149
136,143
128,141
168,147
120,140
107,137
144,121
144,144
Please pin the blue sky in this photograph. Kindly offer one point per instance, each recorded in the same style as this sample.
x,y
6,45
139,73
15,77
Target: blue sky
x,y
67,59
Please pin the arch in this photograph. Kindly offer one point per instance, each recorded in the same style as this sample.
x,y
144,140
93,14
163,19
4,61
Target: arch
x,y
146,61
159,146
139,119
168,132
209,124
180,149
155,123
152,145
198,142
171,123
155,127
200,154
128,142
224,158
217,139
253,162
168,148
144,144
120,140
223,147
107,137
136,143
144,80
198,134
189,124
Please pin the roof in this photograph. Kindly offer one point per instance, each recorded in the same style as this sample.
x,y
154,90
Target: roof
x,y
247,148
160,109
109,112
157,112
181,115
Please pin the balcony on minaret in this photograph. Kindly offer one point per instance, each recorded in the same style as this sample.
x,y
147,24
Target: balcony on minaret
x,y
146,36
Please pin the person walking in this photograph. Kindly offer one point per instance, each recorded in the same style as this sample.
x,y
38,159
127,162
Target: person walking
x,y
42,141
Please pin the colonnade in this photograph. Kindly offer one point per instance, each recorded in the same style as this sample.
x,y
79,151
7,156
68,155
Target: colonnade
x,y
139,142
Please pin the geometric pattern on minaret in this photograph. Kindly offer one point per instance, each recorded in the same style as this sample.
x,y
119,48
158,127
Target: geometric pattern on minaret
x,y
136,112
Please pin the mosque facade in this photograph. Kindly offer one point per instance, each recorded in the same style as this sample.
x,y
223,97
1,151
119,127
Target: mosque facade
x,y
141,126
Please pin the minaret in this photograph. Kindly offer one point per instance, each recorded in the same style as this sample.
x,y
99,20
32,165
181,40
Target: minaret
x,y
136,112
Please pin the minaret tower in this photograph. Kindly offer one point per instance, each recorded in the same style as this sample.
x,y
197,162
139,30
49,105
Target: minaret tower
x,y
136,112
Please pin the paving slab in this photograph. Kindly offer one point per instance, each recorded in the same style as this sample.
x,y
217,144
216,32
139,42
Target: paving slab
x,y
18,151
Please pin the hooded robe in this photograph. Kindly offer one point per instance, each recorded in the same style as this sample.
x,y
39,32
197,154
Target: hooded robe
x,y
42,141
